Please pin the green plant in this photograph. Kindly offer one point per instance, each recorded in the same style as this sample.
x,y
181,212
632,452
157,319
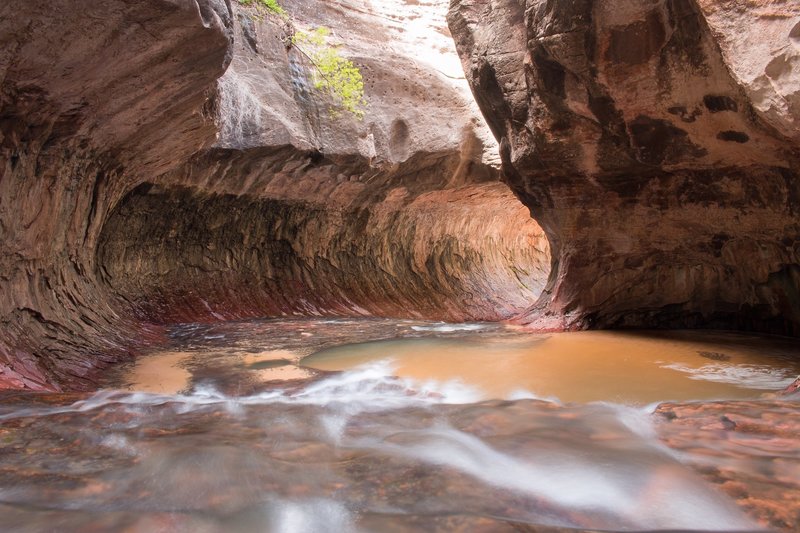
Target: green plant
x,y
270,5
337,75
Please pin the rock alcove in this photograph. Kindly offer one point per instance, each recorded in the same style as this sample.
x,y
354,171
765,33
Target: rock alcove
x,y
177,194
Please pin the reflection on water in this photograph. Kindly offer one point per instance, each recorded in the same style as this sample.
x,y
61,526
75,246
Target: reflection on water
x,y
587,366
163,374
365,450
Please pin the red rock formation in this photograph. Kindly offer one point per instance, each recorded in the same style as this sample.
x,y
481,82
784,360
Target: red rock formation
x,y
94,98
298,211
140,185
181,255
658,146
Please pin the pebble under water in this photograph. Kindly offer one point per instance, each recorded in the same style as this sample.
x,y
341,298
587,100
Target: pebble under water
x,y
246,428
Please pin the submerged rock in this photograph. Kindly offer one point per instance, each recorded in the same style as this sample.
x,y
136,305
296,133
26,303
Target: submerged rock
x,y
793,389
753,458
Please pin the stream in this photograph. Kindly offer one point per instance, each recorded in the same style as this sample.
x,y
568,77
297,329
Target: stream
x,y
384,425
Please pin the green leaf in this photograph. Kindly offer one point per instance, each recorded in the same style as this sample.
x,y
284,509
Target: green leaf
x,y
335,74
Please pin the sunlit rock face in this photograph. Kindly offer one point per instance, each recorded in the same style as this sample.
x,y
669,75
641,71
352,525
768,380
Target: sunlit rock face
x,y
418,98
170,160
657,144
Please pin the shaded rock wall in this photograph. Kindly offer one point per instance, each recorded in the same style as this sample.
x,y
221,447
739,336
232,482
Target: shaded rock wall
x,y
179,255
301,210
81,123
170,160
658,147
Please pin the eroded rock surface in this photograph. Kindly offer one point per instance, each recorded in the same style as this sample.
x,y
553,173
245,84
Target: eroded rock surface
x,y
302,211
657,144
172,160
94,98
179,255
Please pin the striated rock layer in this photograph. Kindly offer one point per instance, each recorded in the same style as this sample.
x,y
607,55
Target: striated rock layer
x,y
658,145
171,160
80,124
181,255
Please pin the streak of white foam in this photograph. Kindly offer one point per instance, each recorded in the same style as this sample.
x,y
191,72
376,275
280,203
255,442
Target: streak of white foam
x,y
524,394
762,377
119,442
669,500
372,387
367,388
446,328
310,516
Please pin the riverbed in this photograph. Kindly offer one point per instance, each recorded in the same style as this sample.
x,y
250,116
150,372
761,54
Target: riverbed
x,y
383,425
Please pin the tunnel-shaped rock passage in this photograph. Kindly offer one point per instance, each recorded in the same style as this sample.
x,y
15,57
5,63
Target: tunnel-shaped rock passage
x,y
137,191
181,254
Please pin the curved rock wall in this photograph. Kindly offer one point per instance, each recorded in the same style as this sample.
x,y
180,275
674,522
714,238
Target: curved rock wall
x,y
181,255
80,124
657,144
301,210
153,150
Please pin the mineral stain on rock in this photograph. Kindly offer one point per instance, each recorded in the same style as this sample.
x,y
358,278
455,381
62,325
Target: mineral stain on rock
x,y
714,356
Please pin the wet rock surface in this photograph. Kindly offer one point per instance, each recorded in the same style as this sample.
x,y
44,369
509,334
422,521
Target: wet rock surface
x,y
239,446
656,144
753,459
249,463
224,355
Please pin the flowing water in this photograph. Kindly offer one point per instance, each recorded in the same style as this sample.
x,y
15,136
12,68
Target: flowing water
x,y
375,425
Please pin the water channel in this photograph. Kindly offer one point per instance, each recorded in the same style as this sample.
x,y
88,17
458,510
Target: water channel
x,y
386,425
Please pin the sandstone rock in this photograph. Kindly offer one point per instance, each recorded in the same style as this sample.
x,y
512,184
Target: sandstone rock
x,y
300,211
168,160
761,46
94,98
748,449
657,147
792,390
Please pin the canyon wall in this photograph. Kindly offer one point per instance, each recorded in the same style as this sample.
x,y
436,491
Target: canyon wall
x,y
171,160
304,209
93,99
658,145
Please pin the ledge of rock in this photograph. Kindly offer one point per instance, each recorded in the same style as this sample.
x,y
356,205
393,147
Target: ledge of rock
x,y
657,144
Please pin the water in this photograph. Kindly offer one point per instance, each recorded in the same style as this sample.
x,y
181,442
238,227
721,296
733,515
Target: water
x,y
628,368
364,450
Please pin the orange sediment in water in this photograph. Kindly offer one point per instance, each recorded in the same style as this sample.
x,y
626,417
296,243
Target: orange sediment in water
x,y
163,373
632,368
